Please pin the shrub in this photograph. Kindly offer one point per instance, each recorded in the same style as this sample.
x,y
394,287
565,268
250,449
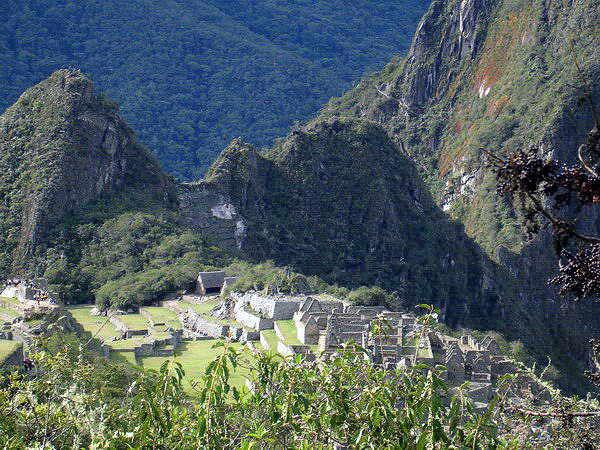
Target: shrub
x,y
371,296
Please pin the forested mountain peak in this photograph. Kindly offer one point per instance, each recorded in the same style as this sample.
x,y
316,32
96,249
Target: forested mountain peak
x,y
191,75
62,147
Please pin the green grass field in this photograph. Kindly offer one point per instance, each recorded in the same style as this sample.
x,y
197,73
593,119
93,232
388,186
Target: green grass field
x,y
202,308
7,348
8,307
128,344
271,339
123,356
194,357
134,321
98,326
164,315
160,333
288,330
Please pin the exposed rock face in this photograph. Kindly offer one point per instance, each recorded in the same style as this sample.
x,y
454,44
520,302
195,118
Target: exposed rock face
x,y
497,75
62,147
443,35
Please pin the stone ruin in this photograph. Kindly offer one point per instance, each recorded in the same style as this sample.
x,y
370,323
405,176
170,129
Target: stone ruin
x,y
29,291
403,342
29,309
33,301
324,325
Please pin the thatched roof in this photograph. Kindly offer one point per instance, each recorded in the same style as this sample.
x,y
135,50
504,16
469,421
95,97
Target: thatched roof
x,y
211,280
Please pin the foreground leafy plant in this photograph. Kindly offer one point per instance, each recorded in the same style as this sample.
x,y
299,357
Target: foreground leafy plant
x,y
77,399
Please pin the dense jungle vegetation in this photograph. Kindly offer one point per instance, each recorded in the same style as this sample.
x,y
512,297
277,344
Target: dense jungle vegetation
x,y
191,75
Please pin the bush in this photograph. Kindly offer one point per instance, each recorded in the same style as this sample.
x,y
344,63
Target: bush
x,y
268,278
372,296
86,401
137,258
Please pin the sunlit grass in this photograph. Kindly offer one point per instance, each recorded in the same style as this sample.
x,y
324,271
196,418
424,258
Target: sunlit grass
x,y
288,330
98,326
161,314
134,321
194,357
8,307
7,348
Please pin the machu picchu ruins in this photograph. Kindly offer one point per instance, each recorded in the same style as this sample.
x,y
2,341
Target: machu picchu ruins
x,y
315,326
27,309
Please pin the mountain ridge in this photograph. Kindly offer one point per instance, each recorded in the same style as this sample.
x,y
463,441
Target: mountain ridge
x,y
517,84
63,147
190,77
388,187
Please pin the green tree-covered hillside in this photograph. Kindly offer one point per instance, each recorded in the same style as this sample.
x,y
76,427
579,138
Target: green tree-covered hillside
x,y
191,75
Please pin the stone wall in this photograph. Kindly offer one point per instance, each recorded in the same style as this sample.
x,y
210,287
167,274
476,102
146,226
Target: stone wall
x,y
117,323
291,350
199,324
308,332
273,307
329,306
146,349
285,350
235,332
252,321
7,335
249,335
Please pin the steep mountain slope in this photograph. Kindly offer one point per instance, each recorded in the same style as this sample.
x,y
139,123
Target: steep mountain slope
x,y
85,205
496,75
337,199
191,75
501,76
61,147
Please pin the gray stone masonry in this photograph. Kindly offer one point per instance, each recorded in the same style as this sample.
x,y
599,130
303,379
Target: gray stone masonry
x,y
198,324
276,307
249,335
6,335
251,320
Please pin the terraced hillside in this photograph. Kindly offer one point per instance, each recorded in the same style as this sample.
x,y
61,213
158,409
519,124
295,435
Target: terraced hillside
x,y
156,323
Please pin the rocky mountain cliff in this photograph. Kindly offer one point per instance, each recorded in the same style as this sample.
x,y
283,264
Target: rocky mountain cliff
x,y
340,196
337,199
494,75
62,147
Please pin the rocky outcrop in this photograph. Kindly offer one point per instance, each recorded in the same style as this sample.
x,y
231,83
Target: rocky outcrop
x,y
62,147
495,75
450,34
338,199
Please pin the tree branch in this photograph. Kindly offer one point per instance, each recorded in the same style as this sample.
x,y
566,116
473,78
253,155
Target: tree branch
x,y
582,160
560,224
552,414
